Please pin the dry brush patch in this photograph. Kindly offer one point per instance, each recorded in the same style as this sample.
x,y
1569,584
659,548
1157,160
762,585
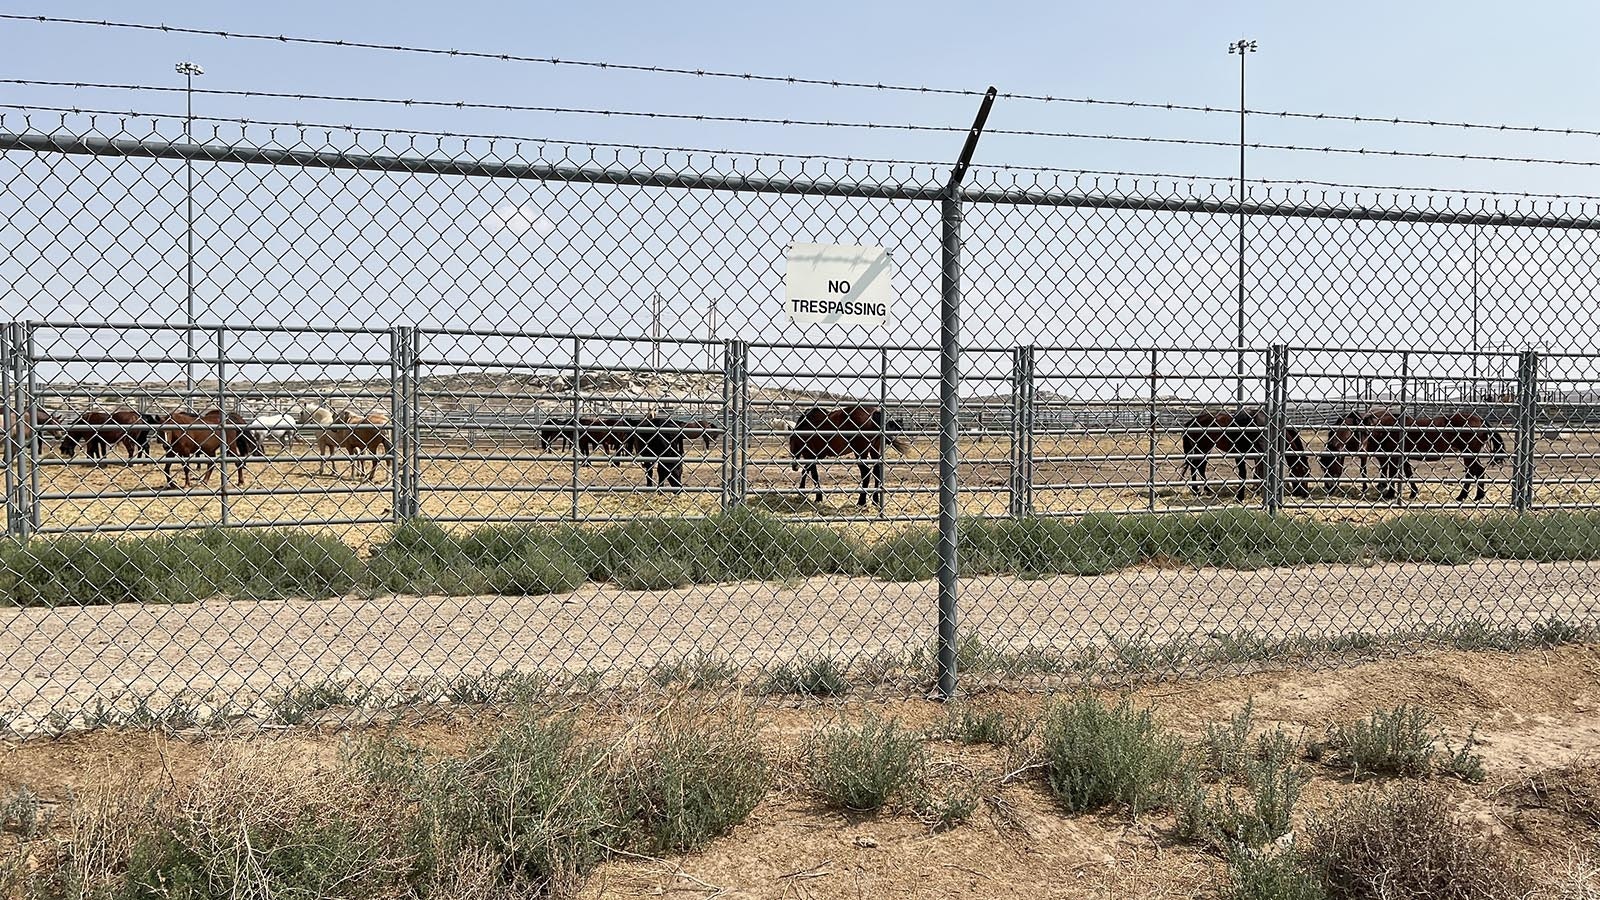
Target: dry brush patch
x,y
609,798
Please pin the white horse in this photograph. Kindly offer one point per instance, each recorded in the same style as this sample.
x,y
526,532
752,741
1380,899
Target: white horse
x,y
319,418
283,428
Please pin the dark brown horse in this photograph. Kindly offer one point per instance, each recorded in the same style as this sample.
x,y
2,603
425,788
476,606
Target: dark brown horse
x,y
188,435
97,431
1349,435
1243,436
1399,441
853,431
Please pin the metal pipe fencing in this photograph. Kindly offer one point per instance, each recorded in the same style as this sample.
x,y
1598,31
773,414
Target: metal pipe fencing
x,y
487,324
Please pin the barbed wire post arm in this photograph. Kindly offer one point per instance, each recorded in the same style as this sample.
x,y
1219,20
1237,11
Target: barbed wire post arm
x,y
949,388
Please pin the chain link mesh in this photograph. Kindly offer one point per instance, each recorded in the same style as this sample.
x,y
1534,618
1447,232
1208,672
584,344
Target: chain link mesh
x,y
495,411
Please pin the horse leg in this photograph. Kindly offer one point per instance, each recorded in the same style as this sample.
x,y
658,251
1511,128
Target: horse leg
x,y
1243,481
1411,477
866,482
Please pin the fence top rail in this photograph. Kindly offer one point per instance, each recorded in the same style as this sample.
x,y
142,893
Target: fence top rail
x,y
1396,351
237,153
236,327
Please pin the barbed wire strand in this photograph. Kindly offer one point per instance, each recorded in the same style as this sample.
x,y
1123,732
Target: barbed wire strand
x,y
802,80
356,130
820,123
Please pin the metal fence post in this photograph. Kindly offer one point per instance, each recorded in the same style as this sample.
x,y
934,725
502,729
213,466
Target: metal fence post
x,y
1021,431
1405,474
28,384
733,422
1155,377
1527,429
741,472
949,393
13,427
414,421
577,428
222,420
397,421
1277,427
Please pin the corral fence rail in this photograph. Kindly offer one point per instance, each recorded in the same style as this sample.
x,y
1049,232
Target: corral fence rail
x,y
477,332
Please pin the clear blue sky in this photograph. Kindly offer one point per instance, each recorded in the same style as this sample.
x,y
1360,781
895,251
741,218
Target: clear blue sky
x,y
1527,63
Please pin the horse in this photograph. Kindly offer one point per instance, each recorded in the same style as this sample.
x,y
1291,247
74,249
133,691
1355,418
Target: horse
x,y
282,428
857,431
1242,435
97,431
357,440
1349,435
608,433
552,433
1398,441
657,441
706,430
188,435
39,421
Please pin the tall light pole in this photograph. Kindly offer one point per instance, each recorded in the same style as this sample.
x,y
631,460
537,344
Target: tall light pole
x,y
188,70
1242,47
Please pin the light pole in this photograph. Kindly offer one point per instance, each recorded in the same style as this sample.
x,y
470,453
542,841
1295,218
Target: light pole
x,y
1242,47
188,70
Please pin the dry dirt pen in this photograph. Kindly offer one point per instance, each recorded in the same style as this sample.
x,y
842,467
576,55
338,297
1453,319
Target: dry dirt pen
x,y
1535,717
1072,475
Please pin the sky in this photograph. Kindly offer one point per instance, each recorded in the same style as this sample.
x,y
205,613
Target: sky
x,y
344,249
1470,61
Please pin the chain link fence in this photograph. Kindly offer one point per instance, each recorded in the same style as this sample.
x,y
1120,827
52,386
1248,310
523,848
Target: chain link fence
x,y
453,417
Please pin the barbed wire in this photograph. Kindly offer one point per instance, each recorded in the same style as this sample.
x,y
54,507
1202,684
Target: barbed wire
x,y
811,123
356,130
804,80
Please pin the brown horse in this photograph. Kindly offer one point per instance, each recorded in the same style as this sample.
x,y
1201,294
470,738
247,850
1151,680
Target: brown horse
x,y
188,435
857,431
1242,435
23,426
1349,435
97,431
1398,441
364,441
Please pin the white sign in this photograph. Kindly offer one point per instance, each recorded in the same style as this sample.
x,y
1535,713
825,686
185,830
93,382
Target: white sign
x,y
838,284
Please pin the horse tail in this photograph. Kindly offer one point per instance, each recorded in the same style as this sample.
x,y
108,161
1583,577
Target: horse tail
x,y
250,443
1498,445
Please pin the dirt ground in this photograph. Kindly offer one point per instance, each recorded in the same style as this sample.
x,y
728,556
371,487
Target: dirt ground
x,y
1537,713
241,651
498,476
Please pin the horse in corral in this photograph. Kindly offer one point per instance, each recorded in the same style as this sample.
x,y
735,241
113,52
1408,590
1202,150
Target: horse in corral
x,y
282,428
1242,435
607,433
705,430
553,433
38,421
857,431
657,442
208,434
97,431
1398,441
365,440
1349,435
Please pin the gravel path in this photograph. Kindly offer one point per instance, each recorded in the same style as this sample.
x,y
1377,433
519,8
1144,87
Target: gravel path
x,y
71,658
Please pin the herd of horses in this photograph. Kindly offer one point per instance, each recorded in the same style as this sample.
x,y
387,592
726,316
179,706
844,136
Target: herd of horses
x,y
859,432
191,439
1395,441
